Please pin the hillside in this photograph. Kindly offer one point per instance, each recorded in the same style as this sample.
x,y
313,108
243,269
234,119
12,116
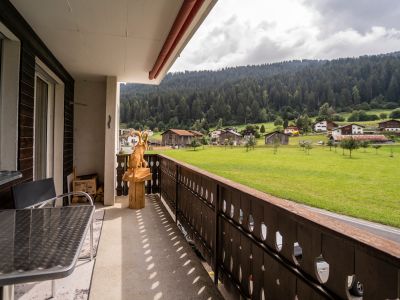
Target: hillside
x,y
254,94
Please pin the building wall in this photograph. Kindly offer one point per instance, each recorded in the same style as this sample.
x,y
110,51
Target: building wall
x,y
320,126
357,129
172,139
390,125
348,130
283,139
229,136
89,129
166,138
32,47
111,125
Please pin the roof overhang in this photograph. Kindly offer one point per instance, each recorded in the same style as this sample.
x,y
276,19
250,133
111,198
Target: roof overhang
x,y
98,38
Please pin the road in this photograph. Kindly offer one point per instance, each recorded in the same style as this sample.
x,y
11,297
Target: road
x,y
384,231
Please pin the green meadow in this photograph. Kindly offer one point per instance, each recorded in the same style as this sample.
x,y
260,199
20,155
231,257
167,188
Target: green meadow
x,y
365,186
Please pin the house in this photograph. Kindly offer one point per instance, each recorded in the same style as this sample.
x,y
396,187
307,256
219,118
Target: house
x,y
324,126
61,66
371,138
350,129
177,137
272,137
390,125
291,130
230,135
66,63
215,134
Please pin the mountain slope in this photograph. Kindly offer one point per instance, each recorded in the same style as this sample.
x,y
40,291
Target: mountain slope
x,y
259,93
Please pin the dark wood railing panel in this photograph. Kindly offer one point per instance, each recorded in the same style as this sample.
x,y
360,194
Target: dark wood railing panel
x,y
195,205
153,186
264,247
122,166
168,184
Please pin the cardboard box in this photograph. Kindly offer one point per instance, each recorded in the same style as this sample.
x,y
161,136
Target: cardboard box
x,y
86,183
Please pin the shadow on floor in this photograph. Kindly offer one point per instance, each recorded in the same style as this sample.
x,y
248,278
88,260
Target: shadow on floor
x,y
143,255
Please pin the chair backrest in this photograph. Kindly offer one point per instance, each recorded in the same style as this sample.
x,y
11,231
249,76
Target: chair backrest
x,y
34,192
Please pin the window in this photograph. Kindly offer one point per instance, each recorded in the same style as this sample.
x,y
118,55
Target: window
x,y
9,87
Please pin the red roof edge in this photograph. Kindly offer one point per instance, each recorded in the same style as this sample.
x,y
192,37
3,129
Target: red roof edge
x,y
188,11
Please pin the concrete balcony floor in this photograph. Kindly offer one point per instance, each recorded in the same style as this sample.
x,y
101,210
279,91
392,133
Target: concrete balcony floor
x,y
143,255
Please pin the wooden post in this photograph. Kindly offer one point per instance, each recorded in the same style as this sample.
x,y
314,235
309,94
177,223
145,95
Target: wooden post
x,y
136,194
216,235
176,193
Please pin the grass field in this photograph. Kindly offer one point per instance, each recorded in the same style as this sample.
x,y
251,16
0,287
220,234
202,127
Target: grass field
x,y
365,186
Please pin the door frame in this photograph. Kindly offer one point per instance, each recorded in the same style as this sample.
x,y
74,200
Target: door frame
x,y
56,156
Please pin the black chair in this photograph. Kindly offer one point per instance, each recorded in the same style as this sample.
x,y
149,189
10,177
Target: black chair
x,y
36,194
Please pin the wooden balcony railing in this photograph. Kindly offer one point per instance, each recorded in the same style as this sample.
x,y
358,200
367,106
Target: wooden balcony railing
x,y
262,247
151,187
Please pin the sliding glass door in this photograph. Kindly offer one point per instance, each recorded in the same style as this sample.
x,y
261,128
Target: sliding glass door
x,y
44,128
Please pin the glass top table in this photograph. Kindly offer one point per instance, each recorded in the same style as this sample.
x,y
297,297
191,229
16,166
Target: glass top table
x,y
41,244
7,176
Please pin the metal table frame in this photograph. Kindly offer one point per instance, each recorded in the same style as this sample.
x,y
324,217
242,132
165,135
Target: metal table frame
x,y
8,280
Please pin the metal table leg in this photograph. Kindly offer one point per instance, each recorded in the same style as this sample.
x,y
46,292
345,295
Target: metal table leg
x,y
8,292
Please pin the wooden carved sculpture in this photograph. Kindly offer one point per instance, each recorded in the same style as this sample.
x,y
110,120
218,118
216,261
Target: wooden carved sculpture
x,y
137,172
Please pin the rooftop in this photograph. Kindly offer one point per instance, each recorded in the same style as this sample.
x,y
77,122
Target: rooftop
x,y
364,137
180,132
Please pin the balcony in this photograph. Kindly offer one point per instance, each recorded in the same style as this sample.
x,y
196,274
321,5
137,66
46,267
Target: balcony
x,y
262,247
201,236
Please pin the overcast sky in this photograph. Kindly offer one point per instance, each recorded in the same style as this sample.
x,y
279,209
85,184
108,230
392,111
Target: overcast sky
x,y
241,32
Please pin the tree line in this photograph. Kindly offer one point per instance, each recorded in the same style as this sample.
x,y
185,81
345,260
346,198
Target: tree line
x,y
250,94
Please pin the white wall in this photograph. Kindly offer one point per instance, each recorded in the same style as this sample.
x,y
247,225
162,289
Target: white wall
x,y
89,129
111,139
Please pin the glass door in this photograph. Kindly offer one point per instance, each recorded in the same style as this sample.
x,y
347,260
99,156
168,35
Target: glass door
x,y
44,128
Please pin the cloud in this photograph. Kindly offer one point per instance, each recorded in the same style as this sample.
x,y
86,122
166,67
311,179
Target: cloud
x,y
259,31
359,15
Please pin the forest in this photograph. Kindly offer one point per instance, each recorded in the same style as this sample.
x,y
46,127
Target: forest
x,y
261,93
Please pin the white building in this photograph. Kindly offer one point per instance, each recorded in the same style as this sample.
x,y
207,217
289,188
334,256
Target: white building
x,y
215,134
324,126
350,129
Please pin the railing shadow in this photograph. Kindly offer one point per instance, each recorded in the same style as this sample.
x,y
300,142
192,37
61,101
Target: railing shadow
x,y
262,247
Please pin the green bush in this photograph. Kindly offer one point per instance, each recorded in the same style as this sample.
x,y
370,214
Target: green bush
x,y
395,114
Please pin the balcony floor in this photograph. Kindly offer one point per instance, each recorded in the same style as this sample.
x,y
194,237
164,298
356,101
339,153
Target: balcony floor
x,y
143,255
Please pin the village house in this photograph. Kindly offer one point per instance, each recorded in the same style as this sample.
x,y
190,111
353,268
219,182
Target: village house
x,y
196,133
177,137
215,134
371,138
230,129
350,129
272,137
324,126
230,135
292,130
390,125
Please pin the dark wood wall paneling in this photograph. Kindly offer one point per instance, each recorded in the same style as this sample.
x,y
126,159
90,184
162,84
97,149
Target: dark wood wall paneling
x,y
31,47
68,132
